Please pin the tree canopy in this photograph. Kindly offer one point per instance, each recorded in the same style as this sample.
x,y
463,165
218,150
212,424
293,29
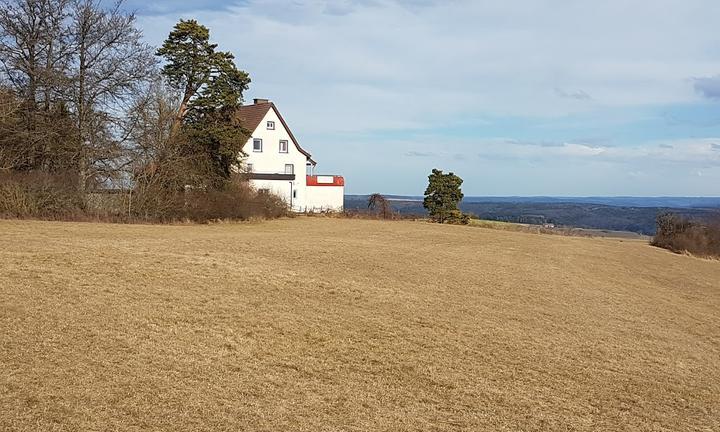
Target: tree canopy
x,y
442,197
69,69
86,107
381,205
210,88
207,79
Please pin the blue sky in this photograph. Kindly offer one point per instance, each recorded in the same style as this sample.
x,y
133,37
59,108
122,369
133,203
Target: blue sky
x,y
529,97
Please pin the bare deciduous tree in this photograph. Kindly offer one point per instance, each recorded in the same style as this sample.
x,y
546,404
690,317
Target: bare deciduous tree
x,y
33,52
380,204
111,64
75,65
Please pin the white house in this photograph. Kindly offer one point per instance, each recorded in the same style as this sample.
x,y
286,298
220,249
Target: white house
x,y
278,164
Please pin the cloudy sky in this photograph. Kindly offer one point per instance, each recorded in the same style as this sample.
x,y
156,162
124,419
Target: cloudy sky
x,y
526,97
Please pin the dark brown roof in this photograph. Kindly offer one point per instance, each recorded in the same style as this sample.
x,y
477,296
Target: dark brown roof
x,y
250,117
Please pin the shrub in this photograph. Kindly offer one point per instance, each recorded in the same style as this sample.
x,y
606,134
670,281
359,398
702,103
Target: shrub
x,y
679,234
237,200
40,195
458,218
45,196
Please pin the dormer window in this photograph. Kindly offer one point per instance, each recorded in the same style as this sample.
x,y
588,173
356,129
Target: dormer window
x,y
271,125
283,146
257,145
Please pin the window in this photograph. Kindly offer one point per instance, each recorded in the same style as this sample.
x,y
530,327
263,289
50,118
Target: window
x,y
257,145
271,125
283,146
294,193
289,169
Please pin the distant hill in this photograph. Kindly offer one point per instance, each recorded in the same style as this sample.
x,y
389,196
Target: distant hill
x,y
634,214
667,202
617,201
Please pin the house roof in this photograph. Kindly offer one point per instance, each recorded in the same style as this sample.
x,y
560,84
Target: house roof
x,y
250,117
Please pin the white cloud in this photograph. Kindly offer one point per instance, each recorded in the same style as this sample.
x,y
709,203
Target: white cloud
x,y
386,64
341,69
691,152
502,166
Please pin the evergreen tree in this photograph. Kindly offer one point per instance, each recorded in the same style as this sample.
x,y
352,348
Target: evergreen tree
x,y
208,80
211,88
442,197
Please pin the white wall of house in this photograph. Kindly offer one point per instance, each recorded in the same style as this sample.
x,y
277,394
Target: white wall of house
x,y
272,161
281,188
325,198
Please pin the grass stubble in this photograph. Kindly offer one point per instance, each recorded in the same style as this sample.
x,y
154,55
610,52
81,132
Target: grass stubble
x,y
319,324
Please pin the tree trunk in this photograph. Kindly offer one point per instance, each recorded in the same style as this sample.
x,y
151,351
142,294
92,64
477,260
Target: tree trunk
x,y
81,112
182,110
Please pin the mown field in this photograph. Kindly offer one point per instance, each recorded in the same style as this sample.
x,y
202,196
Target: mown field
x,y
313,324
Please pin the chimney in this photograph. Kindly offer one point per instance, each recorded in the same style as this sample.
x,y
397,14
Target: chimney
x,y
260,101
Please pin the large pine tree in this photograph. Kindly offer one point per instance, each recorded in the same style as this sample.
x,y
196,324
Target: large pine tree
x,y
211,88
443,196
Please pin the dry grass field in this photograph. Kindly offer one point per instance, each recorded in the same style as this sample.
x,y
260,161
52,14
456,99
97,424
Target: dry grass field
x,y
313,324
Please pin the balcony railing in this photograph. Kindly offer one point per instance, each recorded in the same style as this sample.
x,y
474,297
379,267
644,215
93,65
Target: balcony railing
x,y
270,176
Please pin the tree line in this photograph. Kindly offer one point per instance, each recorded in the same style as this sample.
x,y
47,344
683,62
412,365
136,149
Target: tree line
x,y
87,106
680,234
441,200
